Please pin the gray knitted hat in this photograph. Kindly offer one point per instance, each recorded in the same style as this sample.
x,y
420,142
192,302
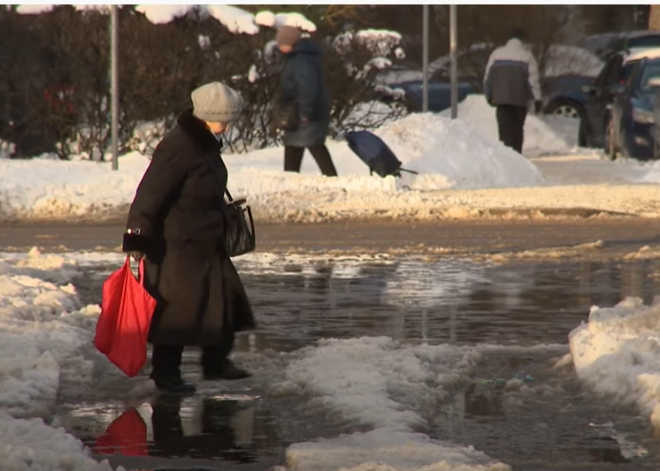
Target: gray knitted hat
x,y
215,102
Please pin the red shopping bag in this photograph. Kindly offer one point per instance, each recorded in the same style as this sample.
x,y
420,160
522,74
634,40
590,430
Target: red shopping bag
x,y
123,326
126,435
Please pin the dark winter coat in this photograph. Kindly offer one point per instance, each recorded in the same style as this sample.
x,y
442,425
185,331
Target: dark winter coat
x,y
178,212
303,82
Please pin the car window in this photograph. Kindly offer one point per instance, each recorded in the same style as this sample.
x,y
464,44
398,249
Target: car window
x,y
643,41
650,70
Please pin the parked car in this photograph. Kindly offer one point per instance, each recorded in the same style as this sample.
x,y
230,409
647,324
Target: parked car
x,y
565,72
606,44
630,126
617,69
565,96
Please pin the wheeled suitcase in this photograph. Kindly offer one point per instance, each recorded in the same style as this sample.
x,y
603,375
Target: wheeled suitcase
x,y
375,153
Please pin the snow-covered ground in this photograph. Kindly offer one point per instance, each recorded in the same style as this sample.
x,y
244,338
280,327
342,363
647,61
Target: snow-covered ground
x,y
45,334
618,354
386,389
463,172
46,337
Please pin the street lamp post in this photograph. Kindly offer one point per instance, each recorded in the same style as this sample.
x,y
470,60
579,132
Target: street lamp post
x,y
454,60
425,58
114,86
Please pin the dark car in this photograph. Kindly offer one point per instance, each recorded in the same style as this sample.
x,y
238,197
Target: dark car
x,y
439,94
604,45
566,72
565,96
600,96
630,127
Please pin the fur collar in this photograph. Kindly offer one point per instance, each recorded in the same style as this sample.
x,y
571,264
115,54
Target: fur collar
x,y
196,128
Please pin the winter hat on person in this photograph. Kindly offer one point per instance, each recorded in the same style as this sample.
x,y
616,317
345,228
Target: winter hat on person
x,y
215,102
287,36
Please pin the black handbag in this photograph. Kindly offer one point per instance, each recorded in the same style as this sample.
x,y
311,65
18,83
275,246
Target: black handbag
x,y
286,116
239,237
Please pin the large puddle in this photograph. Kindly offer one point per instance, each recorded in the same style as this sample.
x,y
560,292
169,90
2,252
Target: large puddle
x,y
519,307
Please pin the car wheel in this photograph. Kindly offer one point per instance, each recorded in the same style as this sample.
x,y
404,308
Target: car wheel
x,y
610,146
565,108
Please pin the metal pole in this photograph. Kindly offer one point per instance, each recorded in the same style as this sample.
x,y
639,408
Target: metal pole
x,y
425,58
453,43
114,86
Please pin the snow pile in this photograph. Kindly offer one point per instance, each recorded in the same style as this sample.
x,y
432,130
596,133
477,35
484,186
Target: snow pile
x,y
29,445
380,43
384,450
37,9
618,354
540,137
272,20
457,152
45,339
391,389
236,20
651,173
160,14
43,334
446,153
372,114
43,187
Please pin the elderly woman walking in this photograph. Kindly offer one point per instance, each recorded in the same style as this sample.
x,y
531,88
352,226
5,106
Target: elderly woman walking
x,y
302,85
176,222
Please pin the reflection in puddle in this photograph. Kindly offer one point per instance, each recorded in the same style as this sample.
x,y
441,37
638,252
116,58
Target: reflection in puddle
x,y
447,301
521,410
226,429
444,302
609,453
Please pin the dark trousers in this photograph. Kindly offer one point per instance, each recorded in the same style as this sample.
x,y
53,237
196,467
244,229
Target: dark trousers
x,y
166,359
293,159
511,124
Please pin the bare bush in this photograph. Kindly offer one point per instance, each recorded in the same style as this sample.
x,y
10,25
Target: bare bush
x,y
65,54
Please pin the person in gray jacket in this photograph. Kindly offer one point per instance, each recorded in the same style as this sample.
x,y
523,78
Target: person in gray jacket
x,y
510,83
303,86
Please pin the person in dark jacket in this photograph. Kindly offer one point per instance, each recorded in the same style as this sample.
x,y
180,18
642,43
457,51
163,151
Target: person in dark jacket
x,y
176,222
302,84
510,83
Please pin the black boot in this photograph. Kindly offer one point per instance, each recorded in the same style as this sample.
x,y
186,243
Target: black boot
x,y
174,385
166,372
225,370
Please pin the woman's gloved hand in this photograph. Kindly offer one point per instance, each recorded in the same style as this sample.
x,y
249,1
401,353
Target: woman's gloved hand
x,y
137,256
